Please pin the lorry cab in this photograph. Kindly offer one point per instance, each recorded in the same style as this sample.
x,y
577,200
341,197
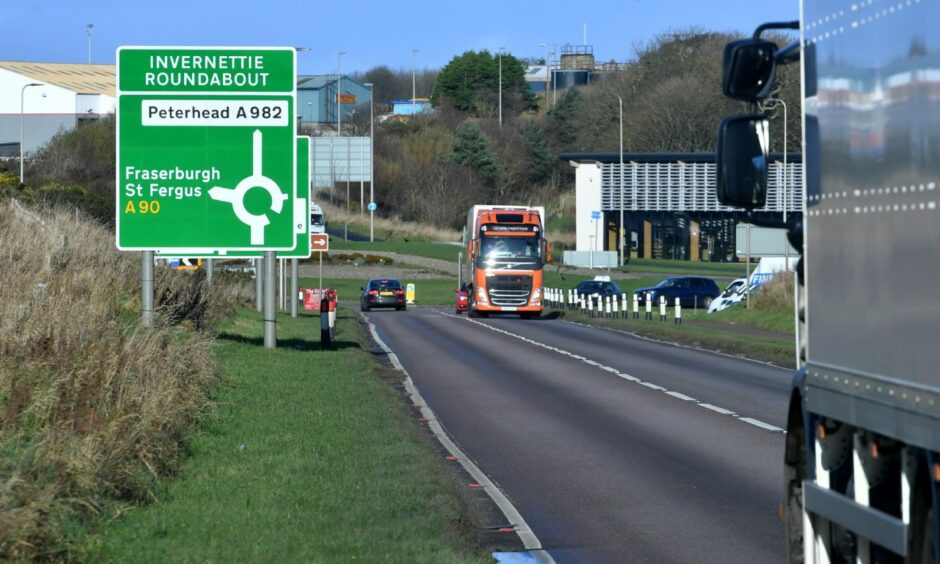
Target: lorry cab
x,y
506,255
317,223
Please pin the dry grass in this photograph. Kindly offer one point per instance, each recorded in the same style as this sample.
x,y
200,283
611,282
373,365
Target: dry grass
x,y
776,294
93,407
388,227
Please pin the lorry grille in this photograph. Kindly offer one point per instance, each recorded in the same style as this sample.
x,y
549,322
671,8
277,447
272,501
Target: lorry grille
x,y
511,290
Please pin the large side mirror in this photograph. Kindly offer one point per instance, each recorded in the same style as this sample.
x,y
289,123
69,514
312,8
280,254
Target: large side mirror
x,y
748,70
743,143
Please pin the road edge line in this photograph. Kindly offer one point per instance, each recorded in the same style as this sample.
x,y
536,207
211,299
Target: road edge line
x,y
529,539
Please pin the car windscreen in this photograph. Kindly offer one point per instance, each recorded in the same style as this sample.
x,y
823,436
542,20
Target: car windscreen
x,y
316,219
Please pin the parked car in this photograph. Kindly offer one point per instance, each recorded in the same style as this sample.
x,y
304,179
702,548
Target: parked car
x,y
598,288
463,299
691,291
734,293
382,292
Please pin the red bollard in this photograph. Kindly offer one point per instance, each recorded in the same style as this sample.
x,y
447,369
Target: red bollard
x,y
326,335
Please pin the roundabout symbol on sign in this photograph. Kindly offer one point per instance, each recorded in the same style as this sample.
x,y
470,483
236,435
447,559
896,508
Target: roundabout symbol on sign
x,y
236,196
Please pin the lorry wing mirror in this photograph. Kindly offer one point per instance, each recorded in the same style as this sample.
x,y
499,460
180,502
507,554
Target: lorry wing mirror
x,y
748,70
742,161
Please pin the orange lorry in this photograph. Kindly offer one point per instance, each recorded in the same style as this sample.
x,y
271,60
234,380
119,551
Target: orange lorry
x,y
506,252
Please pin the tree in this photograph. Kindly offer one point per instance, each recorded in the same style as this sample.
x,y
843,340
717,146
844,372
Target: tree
x,y
470,83
539,156
472,151
560,119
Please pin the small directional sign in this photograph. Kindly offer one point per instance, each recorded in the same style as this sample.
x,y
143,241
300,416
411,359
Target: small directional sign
x,y
373,206
595,215
319,242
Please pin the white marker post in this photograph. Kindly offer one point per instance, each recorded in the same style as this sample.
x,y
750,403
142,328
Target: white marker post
x,y
678,319
613,303
624,302
636,306
662,308
649,306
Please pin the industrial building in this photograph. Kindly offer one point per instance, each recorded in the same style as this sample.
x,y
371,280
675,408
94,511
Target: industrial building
x,y
48,98
317,96
575,66
669,203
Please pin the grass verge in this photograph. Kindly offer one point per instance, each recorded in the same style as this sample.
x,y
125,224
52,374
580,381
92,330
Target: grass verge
x,y
735,334
309,458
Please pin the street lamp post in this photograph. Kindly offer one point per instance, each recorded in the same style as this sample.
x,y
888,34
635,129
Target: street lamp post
x,y
89,28
371,161
22,147
548,70
339,92
786,245
620,99
413,82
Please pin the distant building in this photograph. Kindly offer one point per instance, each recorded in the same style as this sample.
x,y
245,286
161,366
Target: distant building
x,y
317,97
69,95
407,108
669,203
576,66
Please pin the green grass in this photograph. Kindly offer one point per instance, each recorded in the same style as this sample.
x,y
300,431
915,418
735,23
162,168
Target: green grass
x,y
310,457
427,292
419,248
720,269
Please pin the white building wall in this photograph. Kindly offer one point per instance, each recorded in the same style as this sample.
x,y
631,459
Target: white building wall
x,y
587,200
47,109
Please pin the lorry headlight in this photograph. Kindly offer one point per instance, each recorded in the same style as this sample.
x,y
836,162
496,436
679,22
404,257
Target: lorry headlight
x,y
481,295
536,296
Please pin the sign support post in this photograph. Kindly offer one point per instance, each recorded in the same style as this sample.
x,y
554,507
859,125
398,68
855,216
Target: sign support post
x,y
270,311
293,287
259,284
146,287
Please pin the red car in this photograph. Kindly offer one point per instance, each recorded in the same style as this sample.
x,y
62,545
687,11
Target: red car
x,y
463,299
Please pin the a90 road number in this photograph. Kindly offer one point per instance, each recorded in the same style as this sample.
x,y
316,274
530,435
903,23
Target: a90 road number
x,y
142,206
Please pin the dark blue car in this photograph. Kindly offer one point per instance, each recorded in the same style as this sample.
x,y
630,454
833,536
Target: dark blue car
x,y
691,291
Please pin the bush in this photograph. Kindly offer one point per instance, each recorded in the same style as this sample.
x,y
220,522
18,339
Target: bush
x,y
93,407
776,294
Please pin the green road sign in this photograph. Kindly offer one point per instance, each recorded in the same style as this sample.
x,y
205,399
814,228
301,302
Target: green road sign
x,y
302,227
206,149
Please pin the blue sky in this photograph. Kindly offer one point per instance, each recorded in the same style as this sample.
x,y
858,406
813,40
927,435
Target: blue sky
x,y
371,33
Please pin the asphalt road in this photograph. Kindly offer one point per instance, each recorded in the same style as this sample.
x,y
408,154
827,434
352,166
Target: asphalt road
x,y
613,448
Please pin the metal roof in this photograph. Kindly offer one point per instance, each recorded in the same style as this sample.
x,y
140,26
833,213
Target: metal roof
x,y
82,79
661,157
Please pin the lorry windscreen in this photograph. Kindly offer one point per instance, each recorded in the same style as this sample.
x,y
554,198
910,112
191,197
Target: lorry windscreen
x,y
494,251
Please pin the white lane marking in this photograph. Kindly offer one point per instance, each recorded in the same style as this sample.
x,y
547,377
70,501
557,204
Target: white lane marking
x,y
720,410
623,375
762,425
681,346
526,535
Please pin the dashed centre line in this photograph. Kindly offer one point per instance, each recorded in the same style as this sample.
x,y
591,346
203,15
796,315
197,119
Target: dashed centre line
x,y
677,395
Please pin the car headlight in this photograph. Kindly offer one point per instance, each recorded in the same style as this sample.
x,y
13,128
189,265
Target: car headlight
x,y
481,295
